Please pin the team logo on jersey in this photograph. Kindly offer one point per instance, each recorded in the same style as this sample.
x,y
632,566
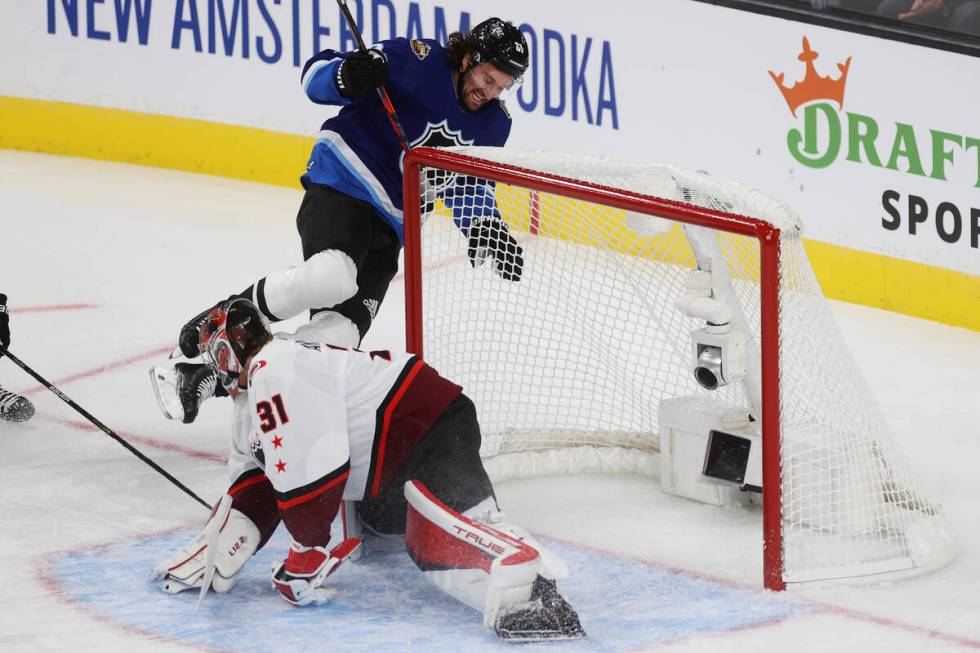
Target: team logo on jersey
x,y
256,366
438,135
420,48
255,450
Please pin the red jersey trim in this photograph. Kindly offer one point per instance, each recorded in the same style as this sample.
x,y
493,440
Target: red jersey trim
x,y
386,423
284,505
246,483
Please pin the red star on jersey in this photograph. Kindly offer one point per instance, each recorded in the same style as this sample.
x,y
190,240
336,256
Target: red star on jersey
x,y
280,466
277,441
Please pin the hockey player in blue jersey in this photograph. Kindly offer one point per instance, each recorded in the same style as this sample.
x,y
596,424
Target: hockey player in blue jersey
x,y
350,219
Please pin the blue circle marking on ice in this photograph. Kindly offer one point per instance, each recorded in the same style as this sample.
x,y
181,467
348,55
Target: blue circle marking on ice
x,y
383,603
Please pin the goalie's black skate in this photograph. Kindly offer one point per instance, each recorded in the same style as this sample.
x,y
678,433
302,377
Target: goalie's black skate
x,y
546,616
195,383
15,408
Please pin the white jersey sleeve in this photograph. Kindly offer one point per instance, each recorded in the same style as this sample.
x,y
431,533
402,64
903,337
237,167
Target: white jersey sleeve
x,y
240,458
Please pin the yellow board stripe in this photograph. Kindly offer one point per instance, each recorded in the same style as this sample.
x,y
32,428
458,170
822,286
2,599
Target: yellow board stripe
x,y
277,158
153,140
901,286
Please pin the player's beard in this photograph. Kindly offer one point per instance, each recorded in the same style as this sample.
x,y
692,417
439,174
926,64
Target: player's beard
x,y
474,100
466,97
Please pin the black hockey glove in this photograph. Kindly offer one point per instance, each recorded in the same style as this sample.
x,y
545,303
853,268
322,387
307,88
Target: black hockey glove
x,y
4,323
361,72
491,237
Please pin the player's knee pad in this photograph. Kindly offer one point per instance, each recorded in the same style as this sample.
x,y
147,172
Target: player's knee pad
x,y
325,279
475,563
330,327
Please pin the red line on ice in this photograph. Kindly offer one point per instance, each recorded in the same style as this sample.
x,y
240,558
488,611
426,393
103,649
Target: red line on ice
x,y
822,608
150,442
103,368
930,633
53,308
45,572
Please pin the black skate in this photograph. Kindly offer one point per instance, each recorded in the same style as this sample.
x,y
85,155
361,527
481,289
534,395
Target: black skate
x,y
15,408
190,334
547,616
195,383
181,389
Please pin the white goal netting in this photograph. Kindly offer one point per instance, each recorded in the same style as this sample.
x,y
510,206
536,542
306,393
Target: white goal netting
x,y
579,353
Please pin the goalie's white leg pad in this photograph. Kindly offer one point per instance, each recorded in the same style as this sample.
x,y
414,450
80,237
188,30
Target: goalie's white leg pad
x,y
325,279
329,327
487,512
238,540
481,566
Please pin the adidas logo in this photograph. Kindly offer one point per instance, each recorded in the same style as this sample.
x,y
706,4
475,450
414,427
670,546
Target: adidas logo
x,y
372,307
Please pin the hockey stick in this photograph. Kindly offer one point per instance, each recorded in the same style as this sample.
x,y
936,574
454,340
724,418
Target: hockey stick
x,y
213,529
382,91
105,429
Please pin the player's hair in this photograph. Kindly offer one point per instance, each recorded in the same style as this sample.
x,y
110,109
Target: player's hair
x,y
457,47
493,41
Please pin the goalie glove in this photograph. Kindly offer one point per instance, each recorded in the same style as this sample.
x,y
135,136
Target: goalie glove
x,y
299,578
238,540
490,237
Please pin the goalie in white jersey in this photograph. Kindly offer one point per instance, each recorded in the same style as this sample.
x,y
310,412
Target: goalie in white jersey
x,y
314,425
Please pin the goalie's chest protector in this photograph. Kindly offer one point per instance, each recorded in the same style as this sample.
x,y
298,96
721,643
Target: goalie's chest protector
x,y
342,407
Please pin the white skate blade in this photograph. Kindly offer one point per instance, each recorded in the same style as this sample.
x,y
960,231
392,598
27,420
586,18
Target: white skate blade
x,y
163,378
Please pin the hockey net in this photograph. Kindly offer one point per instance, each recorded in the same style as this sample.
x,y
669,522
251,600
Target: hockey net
x,y
569,365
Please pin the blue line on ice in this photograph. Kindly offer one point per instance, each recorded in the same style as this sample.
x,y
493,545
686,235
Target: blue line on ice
x,y
385,604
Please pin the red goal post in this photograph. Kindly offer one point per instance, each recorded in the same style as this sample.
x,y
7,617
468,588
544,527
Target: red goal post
x,y
493,167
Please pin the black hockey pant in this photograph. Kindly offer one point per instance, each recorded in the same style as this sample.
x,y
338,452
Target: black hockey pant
x,y
447,461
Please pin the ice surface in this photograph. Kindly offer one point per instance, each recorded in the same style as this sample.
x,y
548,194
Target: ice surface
x,y
104,262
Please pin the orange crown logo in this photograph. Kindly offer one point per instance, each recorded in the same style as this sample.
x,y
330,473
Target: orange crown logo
x,y
813,86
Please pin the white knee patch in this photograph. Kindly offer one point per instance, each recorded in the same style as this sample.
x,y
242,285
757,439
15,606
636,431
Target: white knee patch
x,y
329,327
325,279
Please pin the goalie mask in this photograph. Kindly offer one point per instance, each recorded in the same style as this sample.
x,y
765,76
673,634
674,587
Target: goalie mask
x,y
233,331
